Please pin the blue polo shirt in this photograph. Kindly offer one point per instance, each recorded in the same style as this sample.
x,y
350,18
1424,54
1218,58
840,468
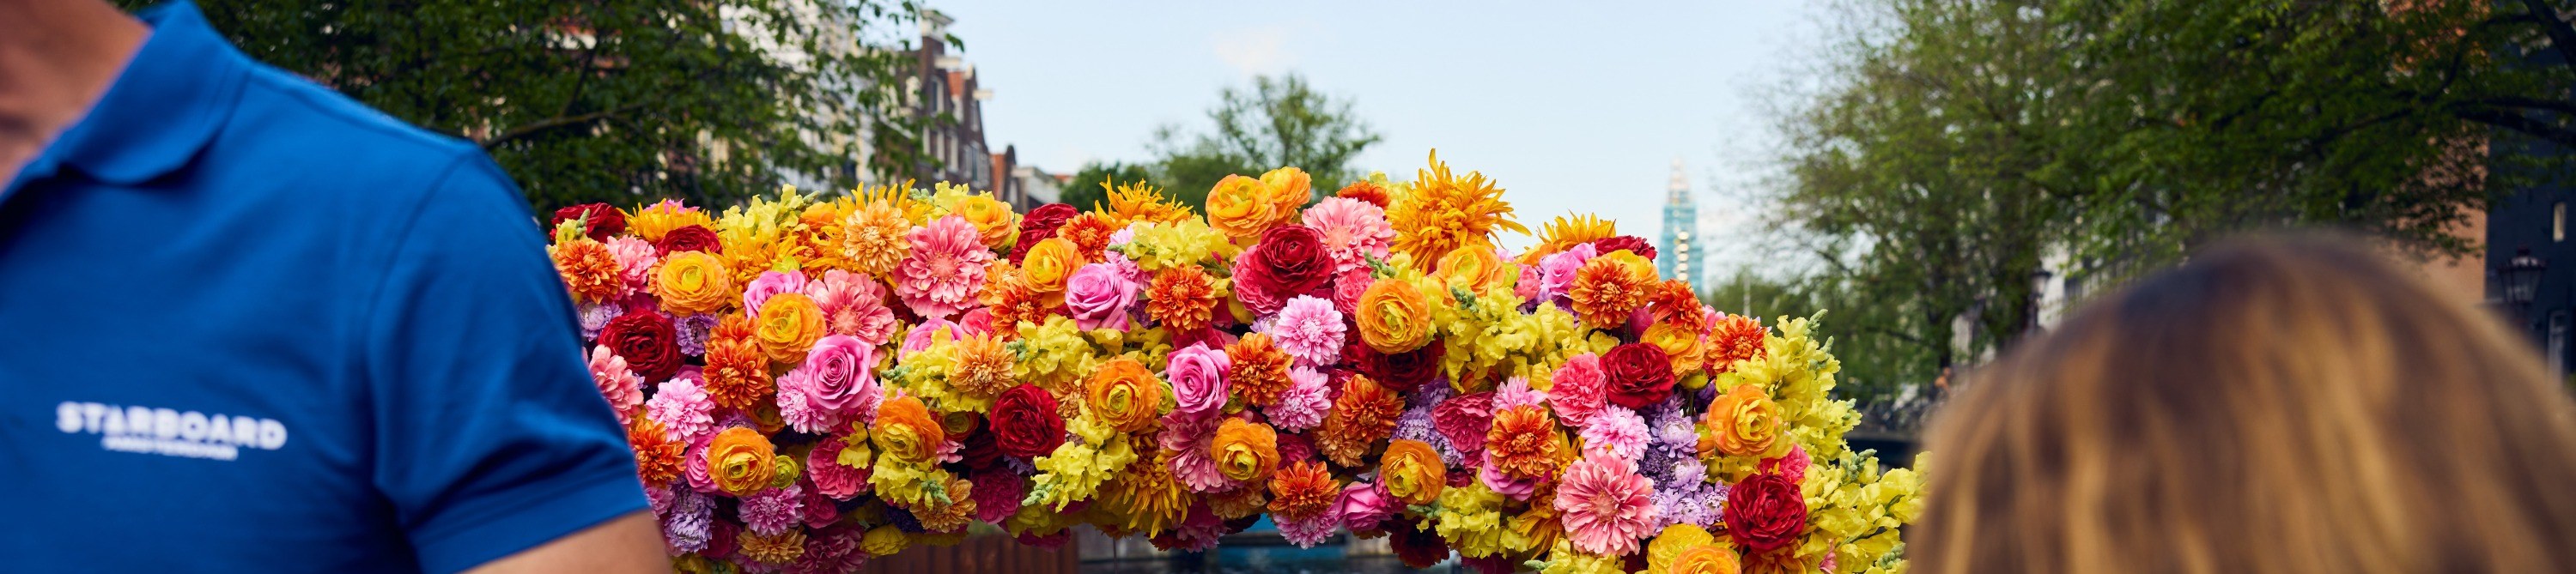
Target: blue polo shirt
x,y
247,324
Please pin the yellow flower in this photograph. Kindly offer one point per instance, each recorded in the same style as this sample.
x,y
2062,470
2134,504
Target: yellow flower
x,y
1568,231
1443,212
1670,544
1682,343
789,325
782,548
1394,316
693,282
1136,201
1471,519
873,234
994,221
739,460
884,541
650,223
1711,559
1187,243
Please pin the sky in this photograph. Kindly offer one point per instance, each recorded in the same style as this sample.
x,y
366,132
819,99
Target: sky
x,y
1572,106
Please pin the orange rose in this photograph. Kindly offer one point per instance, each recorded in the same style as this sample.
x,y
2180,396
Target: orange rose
x,y
1394,316
1245,450
1046,266
906,431
1744,422
1476,268
740,460
789,325
1412,472
1124,395
694,282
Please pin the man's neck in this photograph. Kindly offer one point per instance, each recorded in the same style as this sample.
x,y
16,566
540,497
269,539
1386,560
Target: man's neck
x,y
57,58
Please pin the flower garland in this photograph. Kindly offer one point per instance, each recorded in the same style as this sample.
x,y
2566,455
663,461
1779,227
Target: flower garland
x,y
813,381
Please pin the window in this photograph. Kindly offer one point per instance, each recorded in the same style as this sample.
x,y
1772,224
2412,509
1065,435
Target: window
x,y
2558,221
2557,344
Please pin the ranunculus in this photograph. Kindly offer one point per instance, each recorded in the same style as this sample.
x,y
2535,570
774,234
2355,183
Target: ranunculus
x,y
740,461
1710,559
1025,422
1289,261
603,221
1412,471
994,222
1047,265
1198,378
647,341
1245,450
694,282
905,430
1098,296
789,324
1394,317
690,238
1464,420
1244,207
1765,512
1744,422
1122,394
1681,343
1404,371
1475,268
1040,225
1638,375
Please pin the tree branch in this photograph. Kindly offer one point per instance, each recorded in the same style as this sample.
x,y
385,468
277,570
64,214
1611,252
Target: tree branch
x,y
2526,125
2561,36
532,128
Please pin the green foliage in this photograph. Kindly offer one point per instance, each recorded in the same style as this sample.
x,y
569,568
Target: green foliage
x,y
615,100
1279,122
1084,191
1951,147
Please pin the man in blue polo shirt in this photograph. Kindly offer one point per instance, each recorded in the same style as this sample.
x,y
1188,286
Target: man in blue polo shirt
x,y
247,324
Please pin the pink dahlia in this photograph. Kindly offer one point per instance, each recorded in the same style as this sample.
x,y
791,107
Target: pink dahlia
x,y
939,278
1352,231
637,259
1310,393
622,388
831,478
1579,389
774,510
1310,531
1616,431
682,406
770,284
1516,391
1606,505
1309,329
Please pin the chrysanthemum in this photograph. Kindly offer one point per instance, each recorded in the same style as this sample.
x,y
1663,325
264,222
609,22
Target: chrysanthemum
x,y
873,237
686,526
737,371
657,457
619,385
1444,212
589,270
1567,231
946,266
1522,442
1302,407
1260,372
1302,489
1363,415
774,510
1183,298
1137,201
983,367
680,406
1310,330
1607,507
1353,231
1610,287
1617,431
773,550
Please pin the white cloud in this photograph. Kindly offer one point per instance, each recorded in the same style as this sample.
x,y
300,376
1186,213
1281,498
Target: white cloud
x,y
1258,50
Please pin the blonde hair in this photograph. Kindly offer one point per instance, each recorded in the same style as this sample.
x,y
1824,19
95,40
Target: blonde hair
x,y
2280,405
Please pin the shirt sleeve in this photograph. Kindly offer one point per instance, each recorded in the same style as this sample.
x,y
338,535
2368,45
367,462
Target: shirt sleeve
x,y
490,437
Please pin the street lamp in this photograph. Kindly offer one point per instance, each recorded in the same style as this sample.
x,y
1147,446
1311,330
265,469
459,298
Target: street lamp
x,y
2522,277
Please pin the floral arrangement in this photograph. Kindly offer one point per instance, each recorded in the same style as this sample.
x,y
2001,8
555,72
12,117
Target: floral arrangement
x,y
812,381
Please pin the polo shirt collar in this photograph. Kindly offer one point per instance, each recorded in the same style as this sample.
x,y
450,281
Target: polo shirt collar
x,y
171,99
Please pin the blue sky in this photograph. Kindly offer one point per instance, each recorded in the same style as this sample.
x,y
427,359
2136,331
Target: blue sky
x,y
1572,106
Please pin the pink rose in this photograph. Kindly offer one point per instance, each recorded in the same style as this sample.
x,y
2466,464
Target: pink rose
x,y
1098,296
768,284
1556,271
1363,505
1198,377
933,332
841,371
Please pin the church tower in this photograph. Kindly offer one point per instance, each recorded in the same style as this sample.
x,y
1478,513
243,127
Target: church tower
x,y
1679,255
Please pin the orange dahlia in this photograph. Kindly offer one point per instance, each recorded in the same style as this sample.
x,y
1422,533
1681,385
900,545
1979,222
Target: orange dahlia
x,y
1146,496
1674,302
1362,416
1736,338
1089,231
873,235
983,368
1007,296
589,271
1301,490
1610,287
737,372
1183,298
780,549
1260,372
658,459
1523,442
1365,190
1445,212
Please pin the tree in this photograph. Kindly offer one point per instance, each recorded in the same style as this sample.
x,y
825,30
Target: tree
x,y
619,101
1085,191
1279,122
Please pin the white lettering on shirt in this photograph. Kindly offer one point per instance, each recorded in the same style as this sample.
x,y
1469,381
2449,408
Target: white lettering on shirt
x,y
169,432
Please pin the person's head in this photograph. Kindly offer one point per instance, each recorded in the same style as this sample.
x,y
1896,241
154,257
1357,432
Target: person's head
x,y
2279,404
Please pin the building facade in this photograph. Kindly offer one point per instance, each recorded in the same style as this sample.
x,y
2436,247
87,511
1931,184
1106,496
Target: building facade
x,y
1678,254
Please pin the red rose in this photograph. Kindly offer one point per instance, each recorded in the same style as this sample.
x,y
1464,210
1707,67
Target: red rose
x,y
1025,423
603,222
1418,547
1765,512
647,341
980,451
1640,374
1039,225
1404,371
1632,243
1289,261
690,238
